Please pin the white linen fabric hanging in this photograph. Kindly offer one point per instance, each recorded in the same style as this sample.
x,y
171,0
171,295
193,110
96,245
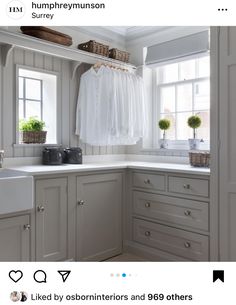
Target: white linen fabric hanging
x,y
111,107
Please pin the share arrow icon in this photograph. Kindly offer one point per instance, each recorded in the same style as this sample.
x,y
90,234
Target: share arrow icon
x,y
64,274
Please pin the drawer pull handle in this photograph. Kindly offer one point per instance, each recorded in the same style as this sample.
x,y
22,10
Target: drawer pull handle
x,y
27,227
187,213
40,208
186,186
147,233
147,181
81,202
187,244
147,205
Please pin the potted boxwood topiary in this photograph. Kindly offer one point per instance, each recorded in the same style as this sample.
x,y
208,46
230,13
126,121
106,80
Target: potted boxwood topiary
x,y
194,122
32,131
164,124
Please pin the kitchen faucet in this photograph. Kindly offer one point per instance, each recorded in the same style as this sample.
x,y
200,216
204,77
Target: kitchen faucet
x,y
1,158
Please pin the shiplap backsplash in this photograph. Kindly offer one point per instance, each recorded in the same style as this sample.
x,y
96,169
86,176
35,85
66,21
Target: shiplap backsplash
x,y
67,100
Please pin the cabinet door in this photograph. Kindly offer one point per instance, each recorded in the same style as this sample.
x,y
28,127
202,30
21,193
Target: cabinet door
x,y
51,219
99,201
15,239
227,155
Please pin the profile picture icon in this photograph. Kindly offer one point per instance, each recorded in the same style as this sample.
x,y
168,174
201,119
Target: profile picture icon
x,y
15,296
24,296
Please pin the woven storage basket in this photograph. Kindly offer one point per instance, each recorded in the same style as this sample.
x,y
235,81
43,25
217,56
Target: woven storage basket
x,y
44,33
34,137
94,47
119,55
199,159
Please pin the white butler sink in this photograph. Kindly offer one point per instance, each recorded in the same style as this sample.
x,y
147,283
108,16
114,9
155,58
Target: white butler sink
x,y
16,191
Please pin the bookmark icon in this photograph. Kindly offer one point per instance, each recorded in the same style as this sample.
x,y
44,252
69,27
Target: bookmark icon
x,y
218,275
64,274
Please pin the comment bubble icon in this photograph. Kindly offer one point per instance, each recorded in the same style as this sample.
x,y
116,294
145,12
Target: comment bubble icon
x,y
40,276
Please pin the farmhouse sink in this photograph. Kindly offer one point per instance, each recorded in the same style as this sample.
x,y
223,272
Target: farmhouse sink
x,y
16,191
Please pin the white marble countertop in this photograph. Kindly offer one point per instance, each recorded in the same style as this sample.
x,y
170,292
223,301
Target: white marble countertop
x,y
36,170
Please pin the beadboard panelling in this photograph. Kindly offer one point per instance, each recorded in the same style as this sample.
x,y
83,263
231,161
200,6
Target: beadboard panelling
x,y
67,101
1,104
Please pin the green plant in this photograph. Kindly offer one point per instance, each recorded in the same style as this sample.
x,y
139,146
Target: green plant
x,y
194,122
164,124
32,124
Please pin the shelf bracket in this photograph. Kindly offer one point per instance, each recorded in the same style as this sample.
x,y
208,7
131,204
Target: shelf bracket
x,y
5,52
74,66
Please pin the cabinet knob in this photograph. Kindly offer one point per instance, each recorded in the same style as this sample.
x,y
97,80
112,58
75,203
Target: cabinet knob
x,y
147,233
27,227
147,205
186,186
187,212
40,208
187,244
147,181
81,202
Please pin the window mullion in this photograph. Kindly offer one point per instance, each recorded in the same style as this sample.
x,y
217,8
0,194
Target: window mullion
x,y
24,99
41,101
176,93
193,97
200,79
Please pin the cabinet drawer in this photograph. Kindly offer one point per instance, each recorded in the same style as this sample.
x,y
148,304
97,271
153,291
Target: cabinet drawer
x,y
188,186
149,181
178,211
192,246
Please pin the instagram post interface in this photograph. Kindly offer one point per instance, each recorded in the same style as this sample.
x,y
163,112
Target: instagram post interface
x,y
117,152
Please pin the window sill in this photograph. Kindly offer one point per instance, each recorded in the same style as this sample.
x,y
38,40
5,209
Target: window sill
x,y
23,145
170,149
179,146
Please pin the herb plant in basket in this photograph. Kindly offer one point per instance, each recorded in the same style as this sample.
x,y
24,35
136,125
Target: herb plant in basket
x,y
194,122
32,131
164,124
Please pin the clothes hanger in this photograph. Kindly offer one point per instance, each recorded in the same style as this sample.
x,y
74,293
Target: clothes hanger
x,y
98,65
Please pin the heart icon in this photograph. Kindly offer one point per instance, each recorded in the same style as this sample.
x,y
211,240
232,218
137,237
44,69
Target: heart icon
x,y
15,275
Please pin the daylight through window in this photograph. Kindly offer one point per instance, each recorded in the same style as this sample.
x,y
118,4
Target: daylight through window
x,y
183,89
37,98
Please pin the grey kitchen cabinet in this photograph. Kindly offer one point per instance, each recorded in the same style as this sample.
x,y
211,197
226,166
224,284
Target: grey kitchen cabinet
x,y
191,246
51,219
224,145
167,216
15,238
99,223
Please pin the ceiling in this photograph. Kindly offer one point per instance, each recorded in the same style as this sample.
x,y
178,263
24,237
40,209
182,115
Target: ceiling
x,y
132,32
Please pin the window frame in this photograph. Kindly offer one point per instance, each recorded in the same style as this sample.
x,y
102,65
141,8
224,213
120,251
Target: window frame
x,y
24,99
58,103
175,145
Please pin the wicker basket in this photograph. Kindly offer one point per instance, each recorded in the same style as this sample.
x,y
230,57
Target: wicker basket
x,y
44,33
119,55
94,47
38,137
199,159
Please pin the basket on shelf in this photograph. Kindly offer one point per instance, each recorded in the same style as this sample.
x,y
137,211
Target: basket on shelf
x,y
119,55
34,137
93,46
45,33
199,159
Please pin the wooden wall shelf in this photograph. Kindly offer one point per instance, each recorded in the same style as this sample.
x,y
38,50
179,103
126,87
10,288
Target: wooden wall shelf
x,y
9,40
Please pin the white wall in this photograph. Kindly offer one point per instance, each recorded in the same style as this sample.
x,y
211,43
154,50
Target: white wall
x,y
67,99
69,88
136,48
84,34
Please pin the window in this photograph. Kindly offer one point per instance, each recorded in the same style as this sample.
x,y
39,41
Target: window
x,y
37,97
183,89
